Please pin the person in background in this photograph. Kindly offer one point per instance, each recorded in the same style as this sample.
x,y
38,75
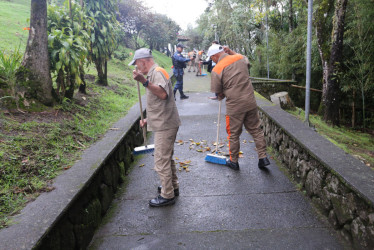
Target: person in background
x,y
230,79
163,119
199,61
192,54
179,63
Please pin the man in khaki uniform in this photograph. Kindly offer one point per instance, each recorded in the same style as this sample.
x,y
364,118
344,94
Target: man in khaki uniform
x,y
198,61
230,79
162,119
192,54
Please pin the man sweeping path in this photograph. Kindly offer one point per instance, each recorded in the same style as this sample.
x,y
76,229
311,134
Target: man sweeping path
x,y
163,120
230,79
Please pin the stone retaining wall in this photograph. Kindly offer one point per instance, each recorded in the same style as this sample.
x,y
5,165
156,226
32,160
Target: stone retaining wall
x,y
341,186
67,217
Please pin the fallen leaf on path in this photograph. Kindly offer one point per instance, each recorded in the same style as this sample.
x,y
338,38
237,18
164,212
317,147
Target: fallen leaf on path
x,y
176,158
244,141
66,168
251,141
141,165
241,154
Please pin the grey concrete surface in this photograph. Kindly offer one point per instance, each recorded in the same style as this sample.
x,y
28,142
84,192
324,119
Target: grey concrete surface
x,y
218,208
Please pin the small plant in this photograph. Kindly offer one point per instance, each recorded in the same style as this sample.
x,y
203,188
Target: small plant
x,y
9,64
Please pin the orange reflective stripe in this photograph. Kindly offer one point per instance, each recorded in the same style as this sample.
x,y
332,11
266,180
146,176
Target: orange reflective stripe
x,y
228,134
226,62
159,69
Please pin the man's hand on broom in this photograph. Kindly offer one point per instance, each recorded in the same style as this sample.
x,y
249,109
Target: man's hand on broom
x,y
220,96
137,75
143,123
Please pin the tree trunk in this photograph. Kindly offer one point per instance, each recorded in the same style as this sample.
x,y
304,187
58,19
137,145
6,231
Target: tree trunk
x,y
35,62
353,109
290,17
100,73
82,86
331,97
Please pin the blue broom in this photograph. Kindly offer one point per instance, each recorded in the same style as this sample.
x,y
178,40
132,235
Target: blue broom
x,y
146,148
215,158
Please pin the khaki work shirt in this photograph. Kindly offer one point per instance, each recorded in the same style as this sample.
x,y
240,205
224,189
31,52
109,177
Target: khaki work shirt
x,y
231,77
161,114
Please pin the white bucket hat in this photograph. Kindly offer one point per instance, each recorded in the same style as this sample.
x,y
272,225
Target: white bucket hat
x,y
214,49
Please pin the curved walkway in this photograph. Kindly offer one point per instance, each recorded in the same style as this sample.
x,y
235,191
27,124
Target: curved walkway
x,y
218,208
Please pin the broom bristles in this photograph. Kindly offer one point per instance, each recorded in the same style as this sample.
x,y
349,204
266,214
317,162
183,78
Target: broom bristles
x,y
144,149
216,159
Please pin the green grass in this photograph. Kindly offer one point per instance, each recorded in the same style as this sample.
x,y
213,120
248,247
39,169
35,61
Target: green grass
x,y
356,143
13,18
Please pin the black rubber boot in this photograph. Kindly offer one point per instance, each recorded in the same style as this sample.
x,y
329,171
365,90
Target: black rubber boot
x,y
183,96
233,165
263,162
160,201
175,92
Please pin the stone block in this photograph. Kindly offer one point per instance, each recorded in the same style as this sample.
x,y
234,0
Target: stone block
x,y
309,183
122,172
363,236
90,221
333,220
325,199
121,153
304,169
285,139
107,174
106,196
344,208
295,152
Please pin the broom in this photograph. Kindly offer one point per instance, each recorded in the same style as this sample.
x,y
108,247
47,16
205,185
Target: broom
x,y
215,158
146,148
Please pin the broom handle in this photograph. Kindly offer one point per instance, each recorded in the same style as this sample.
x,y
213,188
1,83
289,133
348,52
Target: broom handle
x,y
141,113
219,121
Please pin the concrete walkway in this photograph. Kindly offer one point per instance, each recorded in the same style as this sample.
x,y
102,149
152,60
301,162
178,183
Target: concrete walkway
x,y
218,208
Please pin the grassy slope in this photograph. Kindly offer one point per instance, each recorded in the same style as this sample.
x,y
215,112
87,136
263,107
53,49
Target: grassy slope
x,y
35,147
360,145
13,18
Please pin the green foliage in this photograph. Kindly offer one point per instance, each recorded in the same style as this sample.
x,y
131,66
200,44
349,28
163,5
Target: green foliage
x,y
104,36
68,45
354,142
9,64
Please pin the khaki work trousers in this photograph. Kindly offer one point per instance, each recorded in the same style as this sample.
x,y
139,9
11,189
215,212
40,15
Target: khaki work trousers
x,y
164,163
252,123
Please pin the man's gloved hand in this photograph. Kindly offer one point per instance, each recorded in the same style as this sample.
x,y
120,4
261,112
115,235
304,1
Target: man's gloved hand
x,y
220,96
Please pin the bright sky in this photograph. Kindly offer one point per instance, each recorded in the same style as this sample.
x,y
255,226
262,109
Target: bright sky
x,y
183,12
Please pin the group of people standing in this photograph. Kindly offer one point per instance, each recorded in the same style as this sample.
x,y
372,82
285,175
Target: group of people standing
x,y
229,79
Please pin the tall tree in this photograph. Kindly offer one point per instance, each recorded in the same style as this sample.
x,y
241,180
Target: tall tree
x,y
104,36
35,74
330,45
